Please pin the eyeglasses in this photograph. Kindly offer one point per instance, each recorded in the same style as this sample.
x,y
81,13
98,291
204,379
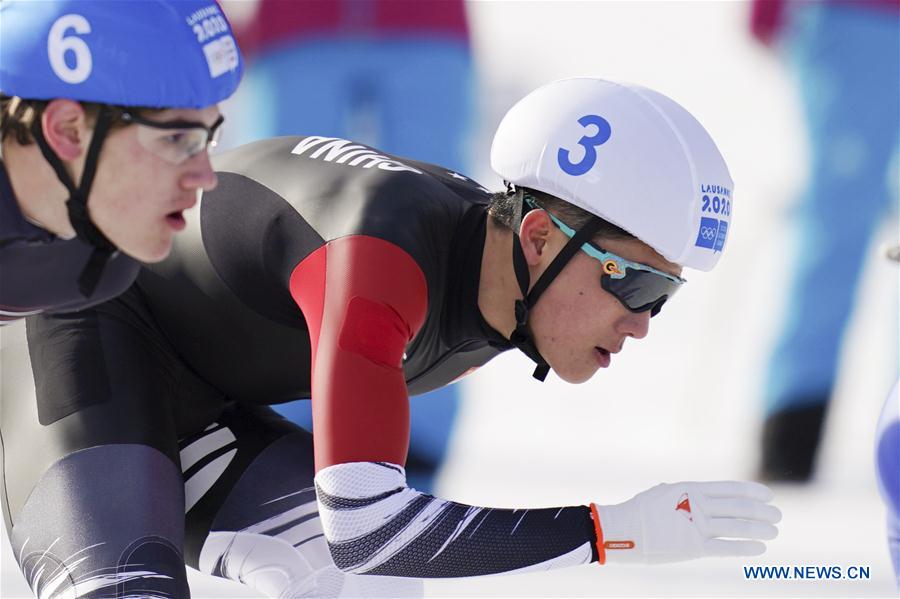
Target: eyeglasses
x,y
637,286
175,141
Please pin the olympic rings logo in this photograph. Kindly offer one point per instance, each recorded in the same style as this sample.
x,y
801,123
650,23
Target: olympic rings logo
x,y
708,233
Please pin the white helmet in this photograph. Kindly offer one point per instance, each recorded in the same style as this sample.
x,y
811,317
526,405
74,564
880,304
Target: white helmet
x,y
627,154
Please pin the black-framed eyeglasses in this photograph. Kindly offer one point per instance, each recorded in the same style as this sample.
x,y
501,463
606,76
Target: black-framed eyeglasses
x,y
174,141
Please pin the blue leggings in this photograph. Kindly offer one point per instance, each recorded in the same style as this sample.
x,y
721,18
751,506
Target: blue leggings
x,y
411,97
846,65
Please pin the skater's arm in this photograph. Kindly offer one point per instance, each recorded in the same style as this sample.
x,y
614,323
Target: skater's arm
x,y
364,300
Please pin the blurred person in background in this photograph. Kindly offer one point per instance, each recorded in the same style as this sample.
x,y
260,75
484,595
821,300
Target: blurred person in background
x,y
887,461
396,74
845,60
108,109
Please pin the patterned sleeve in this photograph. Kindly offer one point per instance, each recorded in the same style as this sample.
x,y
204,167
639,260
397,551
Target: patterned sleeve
x,y
375,524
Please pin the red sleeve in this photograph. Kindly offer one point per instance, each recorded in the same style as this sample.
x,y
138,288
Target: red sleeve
x,y
364,299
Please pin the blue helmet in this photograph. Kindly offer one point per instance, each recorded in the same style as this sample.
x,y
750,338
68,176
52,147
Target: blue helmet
x,y
153,53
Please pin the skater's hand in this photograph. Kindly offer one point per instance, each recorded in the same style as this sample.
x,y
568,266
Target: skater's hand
x,y
682,521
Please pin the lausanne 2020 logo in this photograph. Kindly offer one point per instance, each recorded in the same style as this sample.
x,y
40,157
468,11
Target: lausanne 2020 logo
x,y
713,231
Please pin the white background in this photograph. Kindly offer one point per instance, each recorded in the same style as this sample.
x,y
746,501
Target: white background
x,y
683,404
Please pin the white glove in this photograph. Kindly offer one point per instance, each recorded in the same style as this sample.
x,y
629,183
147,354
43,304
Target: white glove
x,y
683,521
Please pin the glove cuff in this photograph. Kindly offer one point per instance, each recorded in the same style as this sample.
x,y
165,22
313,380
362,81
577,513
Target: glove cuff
x,y
622,532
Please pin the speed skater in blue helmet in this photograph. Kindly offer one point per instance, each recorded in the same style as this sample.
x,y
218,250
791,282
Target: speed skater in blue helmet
x,y
117,100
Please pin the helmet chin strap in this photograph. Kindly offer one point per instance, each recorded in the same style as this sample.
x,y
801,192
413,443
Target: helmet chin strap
x,y
77,202
521,337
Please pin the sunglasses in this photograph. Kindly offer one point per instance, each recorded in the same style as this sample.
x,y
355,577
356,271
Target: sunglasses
x,y
175,141
637,286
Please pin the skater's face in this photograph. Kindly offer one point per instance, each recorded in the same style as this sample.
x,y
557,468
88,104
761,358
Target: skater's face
x,y
140,193
577,325
146,176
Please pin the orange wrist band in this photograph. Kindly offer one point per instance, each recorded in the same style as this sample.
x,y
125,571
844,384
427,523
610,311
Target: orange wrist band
x,y
601,550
